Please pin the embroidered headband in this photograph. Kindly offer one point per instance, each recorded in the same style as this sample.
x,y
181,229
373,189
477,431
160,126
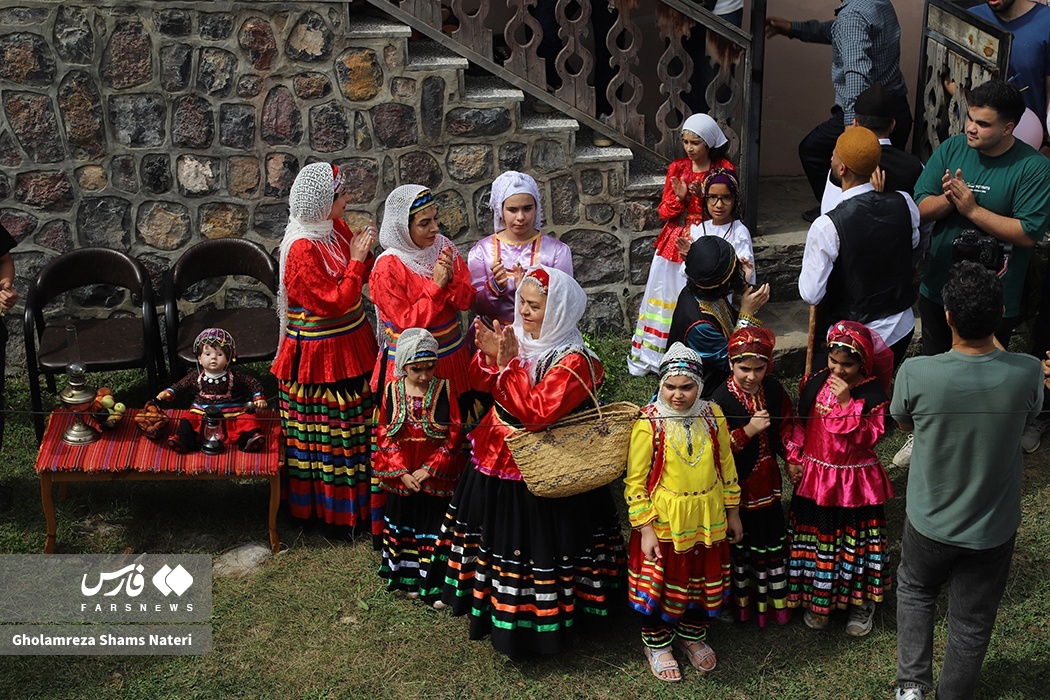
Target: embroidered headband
x,y
423,200
540,278
337,178
752,341
216,337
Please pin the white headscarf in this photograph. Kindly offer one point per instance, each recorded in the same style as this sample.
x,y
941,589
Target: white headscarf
x,y
414,345
396,240
681,361
506,186
706,128
309,206
566,302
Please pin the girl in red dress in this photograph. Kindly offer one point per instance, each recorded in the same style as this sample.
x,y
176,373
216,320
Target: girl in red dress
x,y
681,207
759,414
325,357
417,461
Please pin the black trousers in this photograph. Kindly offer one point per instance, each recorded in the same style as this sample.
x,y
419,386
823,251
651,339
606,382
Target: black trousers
x,y
815,150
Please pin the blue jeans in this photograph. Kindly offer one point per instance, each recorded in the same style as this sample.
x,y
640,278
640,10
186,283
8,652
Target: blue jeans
x,y
976,580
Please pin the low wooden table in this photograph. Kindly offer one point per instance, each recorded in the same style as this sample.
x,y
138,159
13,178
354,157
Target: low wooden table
x,y
125,454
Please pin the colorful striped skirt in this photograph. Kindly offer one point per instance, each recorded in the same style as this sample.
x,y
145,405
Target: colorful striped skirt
x,y
838,556
522,567
410,532
760,567
327,429
695,581
666,281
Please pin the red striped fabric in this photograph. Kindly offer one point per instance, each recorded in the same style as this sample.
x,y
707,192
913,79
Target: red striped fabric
x,y
126,448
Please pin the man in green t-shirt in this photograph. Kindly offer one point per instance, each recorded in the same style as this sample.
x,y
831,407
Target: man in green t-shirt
x,y
964,486
988,180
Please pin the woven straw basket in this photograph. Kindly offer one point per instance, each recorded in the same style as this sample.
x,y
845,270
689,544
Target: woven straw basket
x,y
577,453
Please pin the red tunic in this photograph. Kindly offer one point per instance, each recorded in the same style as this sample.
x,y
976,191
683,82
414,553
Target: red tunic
x,y
327,333
556,395
422,439
671,208
405,299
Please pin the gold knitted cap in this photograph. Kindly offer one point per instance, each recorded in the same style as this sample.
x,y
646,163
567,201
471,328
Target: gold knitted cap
x,y
859,150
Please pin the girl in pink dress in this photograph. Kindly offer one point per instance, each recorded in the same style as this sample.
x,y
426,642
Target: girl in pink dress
x,y
838,556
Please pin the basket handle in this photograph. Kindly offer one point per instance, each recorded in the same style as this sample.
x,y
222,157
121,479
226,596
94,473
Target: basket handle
x,y
593,396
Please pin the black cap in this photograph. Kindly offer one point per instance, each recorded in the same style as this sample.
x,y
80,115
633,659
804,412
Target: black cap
x,y
877,102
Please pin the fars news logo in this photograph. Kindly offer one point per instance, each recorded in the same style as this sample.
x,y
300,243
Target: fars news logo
x,y
130,581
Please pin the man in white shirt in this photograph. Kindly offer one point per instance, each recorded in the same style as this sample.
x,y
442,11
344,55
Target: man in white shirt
x,y
858,259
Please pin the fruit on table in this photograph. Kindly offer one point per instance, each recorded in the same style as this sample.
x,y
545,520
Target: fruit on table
x,y
107,401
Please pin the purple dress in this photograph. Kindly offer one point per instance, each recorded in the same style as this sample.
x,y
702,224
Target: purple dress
x,y
492,302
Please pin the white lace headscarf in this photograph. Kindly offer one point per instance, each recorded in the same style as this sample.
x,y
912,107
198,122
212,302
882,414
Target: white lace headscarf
x,y
566,302
395,238
706,128
681,361
414,345
506,186
309,208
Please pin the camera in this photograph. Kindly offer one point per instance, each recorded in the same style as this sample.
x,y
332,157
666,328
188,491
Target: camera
x,y
977,246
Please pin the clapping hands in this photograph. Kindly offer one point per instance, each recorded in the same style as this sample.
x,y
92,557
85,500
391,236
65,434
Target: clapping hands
x,y
498,344
443,268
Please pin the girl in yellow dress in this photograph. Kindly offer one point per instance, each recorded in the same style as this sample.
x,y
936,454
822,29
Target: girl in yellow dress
x,y
682,497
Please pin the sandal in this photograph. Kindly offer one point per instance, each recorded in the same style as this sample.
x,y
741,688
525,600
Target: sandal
x,y
659,667
699,652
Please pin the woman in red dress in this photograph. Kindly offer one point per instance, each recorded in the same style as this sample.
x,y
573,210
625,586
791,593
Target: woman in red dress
x,y
524,568
325,356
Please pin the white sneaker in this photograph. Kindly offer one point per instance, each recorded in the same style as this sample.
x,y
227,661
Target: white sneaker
x,y
1032,436
861,618
903,456
909,694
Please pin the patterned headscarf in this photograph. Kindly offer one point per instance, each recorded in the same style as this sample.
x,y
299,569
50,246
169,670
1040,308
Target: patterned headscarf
x,y
752,341
414,345
216,337
721,176
506,186
566,302
876,359
681,361
309,208
401,204
706,128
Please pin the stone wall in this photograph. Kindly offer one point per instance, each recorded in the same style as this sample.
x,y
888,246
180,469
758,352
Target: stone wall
x,y
147,128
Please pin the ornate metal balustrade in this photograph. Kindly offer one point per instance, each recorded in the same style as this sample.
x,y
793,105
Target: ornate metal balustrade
x,y
643,102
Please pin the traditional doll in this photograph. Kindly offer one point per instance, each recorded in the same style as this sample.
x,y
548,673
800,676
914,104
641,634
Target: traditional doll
x,y
213,383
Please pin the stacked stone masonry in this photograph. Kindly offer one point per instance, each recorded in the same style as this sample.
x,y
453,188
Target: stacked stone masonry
x,y
148,127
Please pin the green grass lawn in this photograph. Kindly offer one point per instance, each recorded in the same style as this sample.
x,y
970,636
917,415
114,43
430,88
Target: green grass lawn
x,y
315,621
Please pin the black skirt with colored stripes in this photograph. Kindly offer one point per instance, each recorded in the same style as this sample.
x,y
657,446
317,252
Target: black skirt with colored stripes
x,y
410,533
522,567
838,557
760,566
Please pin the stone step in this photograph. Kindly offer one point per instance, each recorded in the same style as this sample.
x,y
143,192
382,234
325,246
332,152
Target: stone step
x,y
489,90
605,154
424,54
547,123
364,26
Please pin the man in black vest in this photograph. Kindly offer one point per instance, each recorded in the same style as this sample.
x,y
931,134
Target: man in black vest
x,y
858,259
899,170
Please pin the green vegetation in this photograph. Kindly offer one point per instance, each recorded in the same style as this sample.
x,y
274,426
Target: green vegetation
x,y
315,621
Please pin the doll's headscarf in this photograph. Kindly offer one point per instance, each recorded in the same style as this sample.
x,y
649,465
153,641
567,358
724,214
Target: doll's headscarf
x,y
414,345
752,341
566,302
706,128
216,337
506,186
875,357
309,206
681,361
401,204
